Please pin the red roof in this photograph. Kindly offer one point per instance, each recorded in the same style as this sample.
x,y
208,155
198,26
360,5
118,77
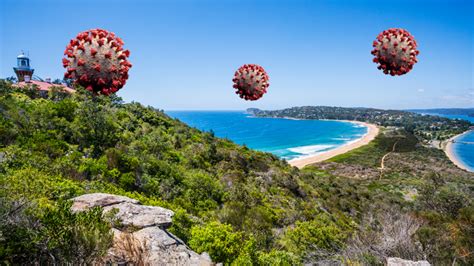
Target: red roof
x,y
43,86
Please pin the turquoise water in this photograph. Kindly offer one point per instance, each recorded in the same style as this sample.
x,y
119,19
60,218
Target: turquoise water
x,y
464,152
287,139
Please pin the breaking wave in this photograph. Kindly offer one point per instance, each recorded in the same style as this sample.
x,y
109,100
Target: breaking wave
x,y
311,149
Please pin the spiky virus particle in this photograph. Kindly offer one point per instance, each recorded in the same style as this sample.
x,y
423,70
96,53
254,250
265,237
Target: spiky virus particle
x,y
96,60
251,82
395,51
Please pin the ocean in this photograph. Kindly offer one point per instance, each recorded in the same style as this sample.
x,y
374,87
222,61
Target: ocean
x,y
464,152
285,138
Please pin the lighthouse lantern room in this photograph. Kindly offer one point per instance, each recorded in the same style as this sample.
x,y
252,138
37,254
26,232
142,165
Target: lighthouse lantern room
x,y
23,70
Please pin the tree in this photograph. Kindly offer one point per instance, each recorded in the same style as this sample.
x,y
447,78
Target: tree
x,y
58,81
12,79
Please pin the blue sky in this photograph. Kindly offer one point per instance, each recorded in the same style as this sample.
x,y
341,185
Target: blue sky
x,y
184,53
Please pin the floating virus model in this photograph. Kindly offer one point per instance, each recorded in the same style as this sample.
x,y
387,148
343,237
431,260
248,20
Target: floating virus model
x,y
96,60
251,82
395,51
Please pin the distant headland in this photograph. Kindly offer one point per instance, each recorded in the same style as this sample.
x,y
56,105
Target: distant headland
x,y
430,130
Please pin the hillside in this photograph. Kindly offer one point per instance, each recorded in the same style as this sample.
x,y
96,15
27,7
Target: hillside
x,y
239,205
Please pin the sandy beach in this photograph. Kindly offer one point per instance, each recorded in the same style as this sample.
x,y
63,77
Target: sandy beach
x,y
448,149
373,130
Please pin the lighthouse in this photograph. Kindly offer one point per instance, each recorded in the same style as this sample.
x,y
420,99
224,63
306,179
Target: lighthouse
x,y
23,70
24,74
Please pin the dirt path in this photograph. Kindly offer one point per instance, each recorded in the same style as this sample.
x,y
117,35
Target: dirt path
x,y
382,165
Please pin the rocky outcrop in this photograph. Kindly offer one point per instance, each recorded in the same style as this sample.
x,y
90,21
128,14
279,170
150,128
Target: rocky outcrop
x,y
141,237
88,201
402,262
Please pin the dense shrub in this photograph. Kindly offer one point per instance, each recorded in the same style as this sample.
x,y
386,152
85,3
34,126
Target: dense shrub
x,y
316,239
53,235
220,240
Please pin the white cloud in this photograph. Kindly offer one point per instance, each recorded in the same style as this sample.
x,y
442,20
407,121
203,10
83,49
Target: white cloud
x,y
421,90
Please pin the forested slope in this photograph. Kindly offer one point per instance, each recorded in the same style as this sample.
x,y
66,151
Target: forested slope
x,y
239,205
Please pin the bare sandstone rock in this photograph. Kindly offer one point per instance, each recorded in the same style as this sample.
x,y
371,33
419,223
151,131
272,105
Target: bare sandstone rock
x,y
150,243
87,201
139,216
402,262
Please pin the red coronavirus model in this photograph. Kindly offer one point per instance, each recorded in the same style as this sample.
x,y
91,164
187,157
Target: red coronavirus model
x,y
395,51
96,60
251,82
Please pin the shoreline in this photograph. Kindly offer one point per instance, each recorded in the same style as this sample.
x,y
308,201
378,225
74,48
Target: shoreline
x,y
449,151
372,132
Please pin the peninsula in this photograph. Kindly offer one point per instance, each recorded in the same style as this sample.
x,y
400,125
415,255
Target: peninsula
x,y
430,130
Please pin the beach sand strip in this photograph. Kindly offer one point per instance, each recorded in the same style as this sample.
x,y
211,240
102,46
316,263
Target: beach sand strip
x,y
449,150
373,131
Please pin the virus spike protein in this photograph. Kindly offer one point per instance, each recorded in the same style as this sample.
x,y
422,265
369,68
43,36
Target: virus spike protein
x,y
395,51
96,60
251,82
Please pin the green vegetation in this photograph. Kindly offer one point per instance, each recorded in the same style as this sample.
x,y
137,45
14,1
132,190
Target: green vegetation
x,y
219,240
431,194
243,207
30,234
